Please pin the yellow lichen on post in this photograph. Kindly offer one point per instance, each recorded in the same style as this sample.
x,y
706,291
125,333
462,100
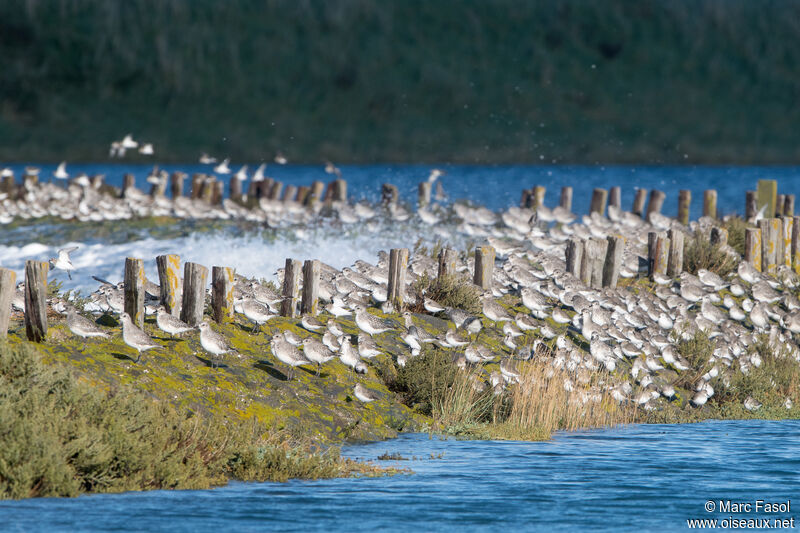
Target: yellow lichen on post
x,y
222,293
787,228
169,267
752,247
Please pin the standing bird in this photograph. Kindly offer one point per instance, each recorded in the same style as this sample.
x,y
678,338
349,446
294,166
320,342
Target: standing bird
x,y
223,167
61,172
82,326
213,342
316,352
369,323
257,312
170,324
63,262
287,353
134,337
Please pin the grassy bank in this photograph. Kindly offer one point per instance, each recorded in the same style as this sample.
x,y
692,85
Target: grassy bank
x,y
499,81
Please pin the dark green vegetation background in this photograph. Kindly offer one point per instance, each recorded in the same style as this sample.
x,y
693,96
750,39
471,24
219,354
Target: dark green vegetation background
x,y
584,81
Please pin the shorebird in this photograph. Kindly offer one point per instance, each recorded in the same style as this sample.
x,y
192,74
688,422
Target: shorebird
x,y
453,340
223,167
292,337
258,175
369,323
331,341
256,312
135,337
751,404
432,306
146,149
349,356
310,323
422,336
367,348
213,342
82,326
170,324
363,394
494,311
128,143
63,262
287,353
317,352
411,339
61,172
280,159
335,328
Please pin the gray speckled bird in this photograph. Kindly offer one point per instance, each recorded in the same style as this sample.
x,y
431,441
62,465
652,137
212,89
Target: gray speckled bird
x,y
82,326
134,337
170,324
213,342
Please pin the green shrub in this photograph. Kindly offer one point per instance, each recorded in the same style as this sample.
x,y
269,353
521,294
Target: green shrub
x,y
425,379
451,291
736,228
698,252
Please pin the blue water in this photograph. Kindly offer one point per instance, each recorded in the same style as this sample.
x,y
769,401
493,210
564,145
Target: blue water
x,y
499,187
635,478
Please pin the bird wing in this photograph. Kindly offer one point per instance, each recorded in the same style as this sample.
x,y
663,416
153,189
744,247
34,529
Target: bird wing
x,y
64,252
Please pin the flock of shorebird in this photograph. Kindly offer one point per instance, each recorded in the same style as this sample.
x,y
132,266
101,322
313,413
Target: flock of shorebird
x,y
631,334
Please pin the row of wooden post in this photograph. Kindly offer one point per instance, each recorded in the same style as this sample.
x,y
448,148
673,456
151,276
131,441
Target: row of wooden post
x,y
533,198
596,262
774,243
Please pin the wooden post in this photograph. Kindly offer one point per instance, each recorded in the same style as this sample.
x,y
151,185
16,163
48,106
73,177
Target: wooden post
x,y
538,196
656,202
340,190
195,279
310,300
302,193
291,288
566,198
36,300
598,204
217,192
447,262
752,247
169,282
196,185
613,260
766,193
615,199
776,236
585,270
675,257
638,201
235,190
788,205
684,203
207,189
275,191
388,195
719,236
222,293
484,267
750,205
398,260
128,184
424,195
599,247
8,280
134,290
661,258
787,230
710,203
574,255
796,243
779,199
315,196
289,194
769,245
525,199
176,184
652,240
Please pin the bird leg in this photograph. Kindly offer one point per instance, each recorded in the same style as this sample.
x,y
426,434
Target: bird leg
x,y
69,274
138,356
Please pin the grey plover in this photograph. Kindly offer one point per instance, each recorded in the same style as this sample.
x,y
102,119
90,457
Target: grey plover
x,y
310,323
331,341
287,353
367,347
432,306
316,352
135,337
349,356
170,324
370,323
213,342
256,312
63,262
292,338
335,328
364,394
82,326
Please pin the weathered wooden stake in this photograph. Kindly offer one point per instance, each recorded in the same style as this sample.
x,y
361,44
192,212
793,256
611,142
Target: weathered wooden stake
x,y
235,190
128,184
222,293
484,267
196,185
311,272
684,203
176,184
217,192
661,259
423,194
796,243
769,245
566,198
656,202
719,236
291,288
525,199
639,200
598,204
538,196
750,205
574,255
779,200
36,300
615,197
289,194
766,193
613,260
134,290
398,260
598,257
340,190
8,280
752,247
787,229
169,267
302,193
710,203
788,205
447,262
195,279
586,264
275,191
315,196
675,257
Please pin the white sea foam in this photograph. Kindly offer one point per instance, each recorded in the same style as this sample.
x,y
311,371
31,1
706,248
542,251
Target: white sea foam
x,y
250,255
